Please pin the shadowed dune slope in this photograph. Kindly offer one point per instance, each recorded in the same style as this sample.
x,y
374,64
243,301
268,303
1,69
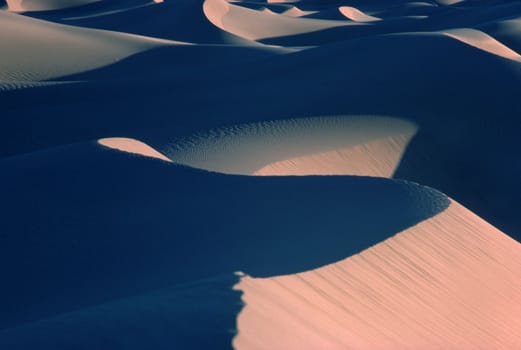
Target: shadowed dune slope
x,y
123,224
173,317
182,20
384,76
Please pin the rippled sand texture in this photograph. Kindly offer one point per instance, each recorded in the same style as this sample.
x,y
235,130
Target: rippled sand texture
x,y
267,174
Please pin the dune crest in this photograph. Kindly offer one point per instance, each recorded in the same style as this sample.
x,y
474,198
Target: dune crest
x,y
484,42
356,15
34,50
335,147
294,11
451,281
254,25
370,146
132,146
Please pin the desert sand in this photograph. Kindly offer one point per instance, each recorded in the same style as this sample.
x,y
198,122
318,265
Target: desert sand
x,y
263,174
429,287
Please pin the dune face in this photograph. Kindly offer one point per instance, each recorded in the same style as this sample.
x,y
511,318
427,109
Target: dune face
x,y
450,282
253,25
357,15
370,146
275,174
133,225
294,11
34,50
484,42
45,5
132,146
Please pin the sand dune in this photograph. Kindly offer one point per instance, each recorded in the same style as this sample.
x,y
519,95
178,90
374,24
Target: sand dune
x,y
44,5
451,282
507,32
120,10
370,146
374,158
294,11
124,225
164,318
483,42
356,15
34,50
127,127
132,146
254,25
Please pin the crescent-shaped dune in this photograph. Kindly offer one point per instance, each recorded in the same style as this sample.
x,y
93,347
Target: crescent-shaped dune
x,y
208,221
484,42
450,282
370,146
132,225
132,146
254,25
356,15
294,11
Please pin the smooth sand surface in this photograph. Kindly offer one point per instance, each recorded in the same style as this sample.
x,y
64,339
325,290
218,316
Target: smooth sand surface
x,y
356,15
482,41
126,212
44,5
34,50
132,146
254,25
374,158
450,282
294,11
348,145
363,146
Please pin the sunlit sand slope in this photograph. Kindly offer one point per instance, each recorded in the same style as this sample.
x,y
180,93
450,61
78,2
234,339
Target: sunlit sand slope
x,y
450,282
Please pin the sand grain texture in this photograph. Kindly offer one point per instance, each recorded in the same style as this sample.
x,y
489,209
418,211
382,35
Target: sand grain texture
x,y
450,282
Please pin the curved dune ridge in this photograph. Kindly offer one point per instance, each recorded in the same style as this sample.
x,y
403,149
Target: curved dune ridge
x,y
254,25
132,146
450,282
160,224
310,146
45,5
484,42
209,221
34,50
506,31
356,15
294,11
